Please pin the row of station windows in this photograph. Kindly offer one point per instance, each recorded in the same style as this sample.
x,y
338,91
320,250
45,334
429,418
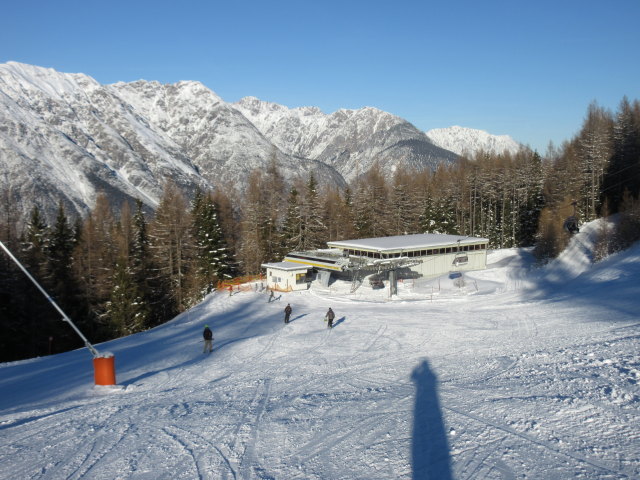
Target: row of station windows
x,y
418,253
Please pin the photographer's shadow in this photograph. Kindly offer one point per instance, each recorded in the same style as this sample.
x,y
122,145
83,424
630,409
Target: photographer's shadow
x,y
430,448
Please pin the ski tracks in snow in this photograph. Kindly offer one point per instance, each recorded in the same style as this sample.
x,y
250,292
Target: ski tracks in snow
x,y
246,434
200,450
471,467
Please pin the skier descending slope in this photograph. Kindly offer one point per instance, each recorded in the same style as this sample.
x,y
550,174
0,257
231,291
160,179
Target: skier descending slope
x,y
329,318
208,339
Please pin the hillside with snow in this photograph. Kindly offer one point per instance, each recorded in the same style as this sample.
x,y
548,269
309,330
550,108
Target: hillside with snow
x,y
470,141
516,371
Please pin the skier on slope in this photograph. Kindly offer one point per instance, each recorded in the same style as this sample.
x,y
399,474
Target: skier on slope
x,y
207,334
329,317
287,313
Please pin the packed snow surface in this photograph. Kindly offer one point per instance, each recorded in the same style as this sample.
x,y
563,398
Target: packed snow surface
x,y
511,372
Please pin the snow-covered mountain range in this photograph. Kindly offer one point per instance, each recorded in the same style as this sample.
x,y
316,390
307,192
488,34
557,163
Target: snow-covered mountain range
x,y
65,137
351,141
468,141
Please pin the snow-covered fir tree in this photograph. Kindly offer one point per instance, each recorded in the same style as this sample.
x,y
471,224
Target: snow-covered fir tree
x,y
313,228
211,256
126,310
291,235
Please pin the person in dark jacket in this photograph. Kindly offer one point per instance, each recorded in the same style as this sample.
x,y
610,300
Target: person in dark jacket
x,y
330,316
207,334
287,313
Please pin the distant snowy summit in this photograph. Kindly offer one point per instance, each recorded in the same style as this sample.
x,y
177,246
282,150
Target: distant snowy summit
x,y
469,141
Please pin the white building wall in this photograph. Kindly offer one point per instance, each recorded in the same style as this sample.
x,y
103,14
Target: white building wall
x,y
436,265
284,280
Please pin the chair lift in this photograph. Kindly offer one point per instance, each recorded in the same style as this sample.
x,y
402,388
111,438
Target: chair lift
x,y
461,258
571,223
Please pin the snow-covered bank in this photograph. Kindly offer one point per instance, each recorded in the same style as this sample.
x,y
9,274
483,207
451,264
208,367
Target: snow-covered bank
x,y
517,373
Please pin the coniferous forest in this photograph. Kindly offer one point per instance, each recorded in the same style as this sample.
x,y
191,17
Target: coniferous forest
x,y
119,273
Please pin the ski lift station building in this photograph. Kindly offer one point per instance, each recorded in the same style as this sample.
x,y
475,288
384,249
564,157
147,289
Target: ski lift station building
x,y
423,255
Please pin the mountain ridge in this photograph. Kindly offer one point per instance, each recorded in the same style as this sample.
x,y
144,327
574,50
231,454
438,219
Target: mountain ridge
x,y
337,139
470,141
64,137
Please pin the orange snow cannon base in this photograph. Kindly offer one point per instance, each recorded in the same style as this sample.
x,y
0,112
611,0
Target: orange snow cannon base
x,y
104,370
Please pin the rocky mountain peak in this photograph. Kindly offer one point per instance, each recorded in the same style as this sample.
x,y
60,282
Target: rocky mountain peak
x,y
65,137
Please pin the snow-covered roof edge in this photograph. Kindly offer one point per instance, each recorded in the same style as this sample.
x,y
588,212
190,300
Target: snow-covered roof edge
x,y
407,242
285,266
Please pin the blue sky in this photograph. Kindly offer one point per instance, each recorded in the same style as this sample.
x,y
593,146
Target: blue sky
x,y
526,69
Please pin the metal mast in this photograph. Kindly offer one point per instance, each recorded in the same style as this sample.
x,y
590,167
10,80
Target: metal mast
x,y
65,318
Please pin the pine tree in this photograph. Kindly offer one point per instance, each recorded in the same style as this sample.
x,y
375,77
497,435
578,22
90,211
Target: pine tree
x,y
228,216
95,258
594,151
402,205
140,248
628,229
154,290
63,284
59,256
336,215
550,240
438,209
171,243
15,321
32,309
313,229
126,311
252,252
428,218
443,219
225,265
292,227
345,218
363,218
35,246
377,201
213,262
23,309
273,194
533,201
624,168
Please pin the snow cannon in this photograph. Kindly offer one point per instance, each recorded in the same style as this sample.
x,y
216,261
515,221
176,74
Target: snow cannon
x,y
103,363
104,369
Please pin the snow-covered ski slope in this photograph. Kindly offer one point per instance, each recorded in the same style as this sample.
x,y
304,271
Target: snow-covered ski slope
x,y
518,373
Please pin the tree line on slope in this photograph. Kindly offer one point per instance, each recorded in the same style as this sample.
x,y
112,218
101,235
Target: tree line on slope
x,y
113,276
594,175
117,275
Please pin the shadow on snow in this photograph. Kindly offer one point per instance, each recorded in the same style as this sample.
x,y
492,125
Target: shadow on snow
x,y
430,449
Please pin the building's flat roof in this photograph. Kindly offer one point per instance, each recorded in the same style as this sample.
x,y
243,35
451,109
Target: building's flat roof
x,y
406,242
285,266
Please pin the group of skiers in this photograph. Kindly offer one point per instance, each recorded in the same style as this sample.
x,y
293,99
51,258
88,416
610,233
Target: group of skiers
x,y
327,318
207,334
